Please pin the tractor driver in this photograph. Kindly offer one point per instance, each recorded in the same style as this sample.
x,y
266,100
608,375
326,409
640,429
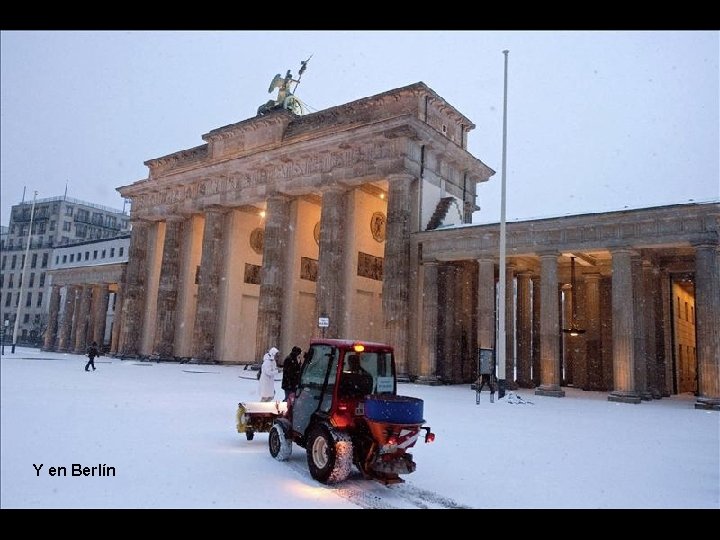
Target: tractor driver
x,y
356,381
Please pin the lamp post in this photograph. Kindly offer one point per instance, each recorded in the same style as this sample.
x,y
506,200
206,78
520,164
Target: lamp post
x,y
501,284
18,310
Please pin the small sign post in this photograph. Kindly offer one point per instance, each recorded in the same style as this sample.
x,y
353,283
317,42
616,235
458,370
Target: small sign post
x,y
323,322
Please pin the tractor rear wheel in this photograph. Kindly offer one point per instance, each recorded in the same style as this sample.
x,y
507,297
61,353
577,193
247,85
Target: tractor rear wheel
x,y
329,454
278,444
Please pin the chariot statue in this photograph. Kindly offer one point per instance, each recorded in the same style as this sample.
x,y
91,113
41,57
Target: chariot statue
x,y
285,97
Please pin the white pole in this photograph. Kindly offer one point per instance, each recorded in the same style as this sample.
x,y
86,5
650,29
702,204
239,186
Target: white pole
x,y
23,279
501,280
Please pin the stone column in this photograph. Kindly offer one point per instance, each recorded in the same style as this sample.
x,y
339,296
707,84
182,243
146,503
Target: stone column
x,y
485,307
66,324
396,268
132,311
524,330
650,293
211,264
593,343
164,345
536,330
663,333
447,346
117,319
100,308
639,306
549,328
623,327
77,317
330,289
606,332
83,318
568,353
707,315
577,344
428,349
509,328
275,268
51,331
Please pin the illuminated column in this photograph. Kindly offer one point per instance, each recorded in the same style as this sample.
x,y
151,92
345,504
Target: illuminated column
x,y
330,295
650,294
549,328
593,352
535,330
211,264
568,352
510,327
486,305
524,330
623,327
275,268
83,317
132,310
117,319
396,268
100,307
428,349
163,345
51,331
707,315
66,324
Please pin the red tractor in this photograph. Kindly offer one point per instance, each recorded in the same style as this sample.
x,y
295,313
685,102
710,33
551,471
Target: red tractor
x,y
347,411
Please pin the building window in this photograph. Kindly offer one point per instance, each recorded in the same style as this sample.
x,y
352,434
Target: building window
x,y
45,260
67,226
95,254
8,299
32,280
687,312
42,279
87,255
20,280
17,299
28,300
2,280
80,230
103,253
52,225
79,256
112,254
10,282
13,262
68,210
4,261
33,262
26,318
72,257
64,240
64,259
57,259
121,252
39,300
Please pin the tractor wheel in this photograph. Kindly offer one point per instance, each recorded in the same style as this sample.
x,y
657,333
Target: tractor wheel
x,y
279,445
249,434
329,454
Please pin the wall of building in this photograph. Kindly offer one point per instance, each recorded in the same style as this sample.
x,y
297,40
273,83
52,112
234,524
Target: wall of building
x,y
685,347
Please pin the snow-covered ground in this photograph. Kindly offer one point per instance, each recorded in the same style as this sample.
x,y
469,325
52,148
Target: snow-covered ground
x,y
169,432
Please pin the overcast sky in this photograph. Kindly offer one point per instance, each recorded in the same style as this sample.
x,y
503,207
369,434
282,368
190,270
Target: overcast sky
x,y
597,120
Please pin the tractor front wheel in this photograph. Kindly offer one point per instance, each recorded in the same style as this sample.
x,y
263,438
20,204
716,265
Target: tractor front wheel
x,y
329,454
279,445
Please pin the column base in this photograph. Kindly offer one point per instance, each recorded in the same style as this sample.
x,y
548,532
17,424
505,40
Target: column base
x,y
402,377
710,404
624,397
430,380
646,396
550,390
656,394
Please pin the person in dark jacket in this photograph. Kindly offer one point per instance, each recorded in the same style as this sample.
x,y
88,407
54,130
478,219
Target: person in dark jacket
x,y
291,372
92,352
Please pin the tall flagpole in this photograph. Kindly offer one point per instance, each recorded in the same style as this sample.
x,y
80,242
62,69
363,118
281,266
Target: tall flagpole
x,y
501,280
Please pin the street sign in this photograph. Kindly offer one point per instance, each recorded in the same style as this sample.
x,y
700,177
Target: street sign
x,y
323,322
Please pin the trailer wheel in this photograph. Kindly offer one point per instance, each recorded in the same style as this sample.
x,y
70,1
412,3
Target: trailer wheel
x,y
329,454
279,445
249,434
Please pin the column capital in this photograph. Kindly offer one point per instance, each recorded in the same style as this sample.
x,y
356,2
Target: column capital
x,y
432,262
278,196
592,276
400,177
175,218
705,244
618,250
486,258
216,209
548,254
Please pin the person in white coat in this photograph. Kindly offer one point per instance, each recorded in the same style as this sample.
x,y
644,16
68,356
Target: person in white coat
x,y
268,370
